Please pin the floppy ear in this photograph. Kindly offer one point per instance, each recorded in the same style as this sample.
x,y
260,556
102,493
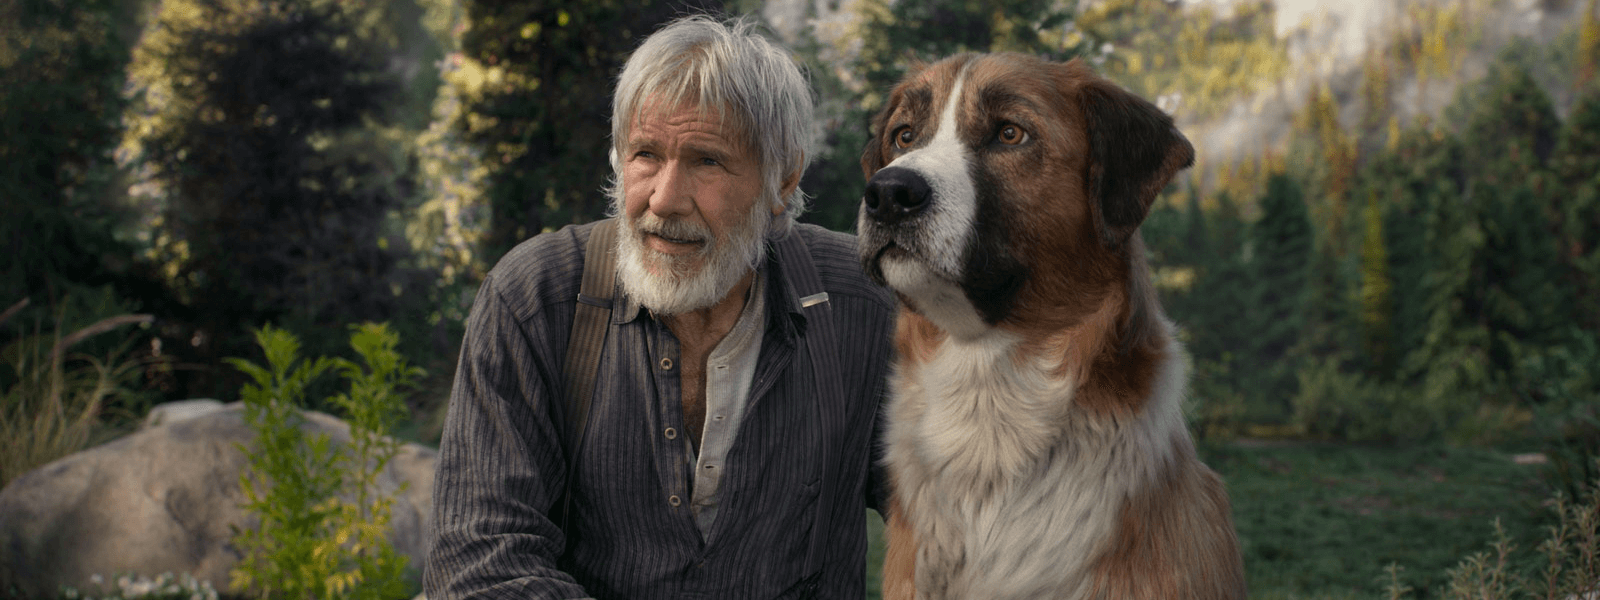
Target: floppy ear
x,y
872,157
1134,150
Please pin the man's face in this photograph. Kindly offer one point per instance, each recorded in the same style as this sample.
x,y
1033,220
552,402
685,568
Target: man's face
x,y
693,221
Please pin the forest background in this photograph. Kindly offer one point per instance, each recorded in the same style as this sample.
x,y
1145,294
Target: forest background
x,y
1385,299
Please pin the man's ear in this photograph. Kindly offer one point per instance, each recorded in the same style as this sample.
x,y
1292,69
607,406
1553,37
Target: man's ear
x,y
790,182
1134,150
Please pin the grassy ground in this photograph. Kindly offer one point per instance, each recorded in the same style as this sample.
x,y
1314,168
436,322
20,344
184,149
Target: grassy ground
x,y
1323,521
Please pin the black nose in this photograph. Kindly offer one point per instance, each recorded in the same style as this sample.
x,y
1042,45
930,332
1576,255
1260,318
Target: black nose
x,y
895,194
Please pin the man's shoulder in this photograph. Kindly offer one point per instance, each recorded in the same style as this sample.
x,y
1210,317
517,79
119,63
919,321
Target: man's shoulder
x,y
838,264
542,270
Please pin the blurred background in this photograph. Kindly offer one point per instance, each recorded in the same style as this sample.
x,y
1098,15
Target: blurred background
x,y
1385,263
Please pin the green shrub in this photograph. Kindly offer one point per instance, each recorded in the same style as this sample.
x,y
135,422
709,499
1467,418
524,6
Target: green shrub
x,y
312,541
1567,565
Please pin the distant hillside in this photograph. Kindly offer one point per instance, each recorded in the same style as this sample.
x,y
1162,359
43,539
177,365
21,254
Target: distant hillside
x,y
1264,60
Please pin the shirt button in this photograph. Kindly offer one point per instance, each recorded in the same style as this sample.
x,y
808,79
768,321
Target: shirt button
x,y
666,364
674,501
672,434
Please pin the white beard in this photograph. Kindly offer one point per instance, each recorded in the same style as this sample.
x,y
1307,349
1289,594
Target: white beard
x,y
671,285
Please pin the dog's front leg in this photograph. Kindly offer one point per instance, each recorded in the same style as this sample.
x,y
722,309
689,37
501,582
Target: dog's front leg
x,y
900,559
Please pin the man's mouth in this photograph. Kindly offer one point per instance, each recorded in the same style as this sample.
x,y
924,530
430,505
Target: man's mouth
x,y
675,240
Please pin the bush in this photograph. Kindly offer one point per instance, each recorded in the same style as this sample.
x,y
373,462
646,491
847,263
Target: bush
x,y
51,400
312,542
1568,565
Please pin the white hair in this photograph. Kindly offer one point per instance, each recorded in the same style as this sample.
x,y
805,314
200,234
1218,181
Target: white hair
x,y
732,71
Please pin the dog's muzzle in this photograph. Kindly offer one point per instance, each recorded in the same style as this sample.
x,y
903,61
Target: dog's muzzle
x,y
895,194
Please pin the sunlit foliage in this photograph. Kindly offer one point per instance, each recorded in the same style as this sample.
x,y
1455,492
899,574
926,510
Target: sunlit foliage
x,y
1189,55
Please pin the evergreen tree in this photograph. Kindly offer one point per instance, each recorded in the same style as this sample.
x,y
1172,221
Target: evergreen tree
x,y
1576,162
1280,255
1511,126
1510,138
1423,164
1376,303
1451,360
257,123
1215,312
62,71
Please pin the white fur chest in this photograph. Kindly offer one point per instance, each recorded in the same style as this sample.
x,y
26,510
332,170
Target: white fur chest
x,y
1011,489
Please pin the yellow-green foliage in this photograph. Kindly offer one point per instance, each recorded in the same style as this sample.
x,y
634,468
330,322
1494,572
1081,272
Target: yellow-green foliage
x,y
1589,44
1163,49
1431,39
448,224
314,540
1377,306
1328,153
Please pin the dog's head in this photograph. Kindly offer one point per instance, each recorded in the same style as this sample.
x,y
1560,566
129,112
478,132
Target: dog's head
x,y
1003,190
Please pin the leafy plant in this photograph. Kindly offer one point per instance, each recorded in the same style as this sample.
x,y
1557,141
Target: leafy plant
x,y
1570,558
312,542
51,399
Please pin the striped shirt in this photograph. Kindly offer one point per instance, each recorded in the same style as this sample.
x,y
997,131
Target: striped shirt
x,y
632,532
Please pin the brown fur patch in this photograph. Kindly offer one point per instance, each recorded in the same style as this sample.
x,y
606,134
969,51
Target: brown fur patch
x,y
1175,539
915,337
900,558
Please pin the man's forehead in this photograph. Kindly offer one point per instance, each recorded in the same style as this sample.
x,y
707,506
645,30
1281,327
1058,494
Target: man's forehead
x,y
686,115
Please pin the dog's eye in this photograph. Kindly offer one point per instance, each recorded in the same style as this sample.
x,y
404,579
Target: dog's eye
x,y
904,136
1011,135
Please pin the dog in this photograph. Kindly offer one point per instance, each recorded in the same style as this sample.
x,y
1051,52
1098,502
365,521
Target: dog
x,y
1034,439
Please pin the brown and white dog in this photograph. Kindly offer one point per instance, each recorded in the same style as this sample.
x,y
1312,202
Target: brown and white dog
x,y
1035,439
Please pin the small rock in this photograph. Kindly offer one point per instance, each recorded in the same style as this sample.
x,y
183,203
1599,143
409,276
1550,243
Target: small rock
x,y
1531,458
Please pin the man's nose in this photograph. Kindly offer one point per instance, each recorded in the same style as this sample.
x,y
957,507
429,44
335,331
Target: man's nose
x,y
674,193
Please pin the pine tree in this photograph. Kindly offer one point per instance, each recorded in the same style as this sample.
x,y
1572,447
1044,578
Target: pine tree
x,y
1511,126
1576,162
1280,255
258,123
1509,139
1376,301
62,72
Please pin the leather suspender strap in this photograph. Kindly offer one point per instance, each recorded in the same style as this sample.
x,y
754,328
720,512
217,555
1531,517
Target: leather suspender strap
x,y
590,321
821,345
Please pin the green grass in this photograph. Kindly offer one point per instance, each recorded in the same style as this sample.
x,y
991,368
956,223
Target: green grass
x,y
1322,521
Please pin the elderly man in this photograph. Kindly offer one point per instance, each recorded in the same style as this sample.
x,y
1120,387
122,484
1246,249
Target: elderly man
x,y
726,448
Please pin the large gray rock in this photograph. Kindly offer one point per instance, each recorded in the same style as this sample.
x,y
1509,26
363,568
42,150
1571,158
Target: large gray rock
x,y
162,500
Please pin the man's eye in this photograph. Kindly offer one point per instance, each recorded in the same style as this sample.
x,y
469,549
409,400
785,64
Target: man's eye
x,y
710,162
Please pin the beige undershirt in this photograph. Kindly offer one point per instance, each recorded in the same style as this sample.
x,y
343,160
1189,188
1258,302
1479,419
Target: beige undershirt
x,y
730,368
